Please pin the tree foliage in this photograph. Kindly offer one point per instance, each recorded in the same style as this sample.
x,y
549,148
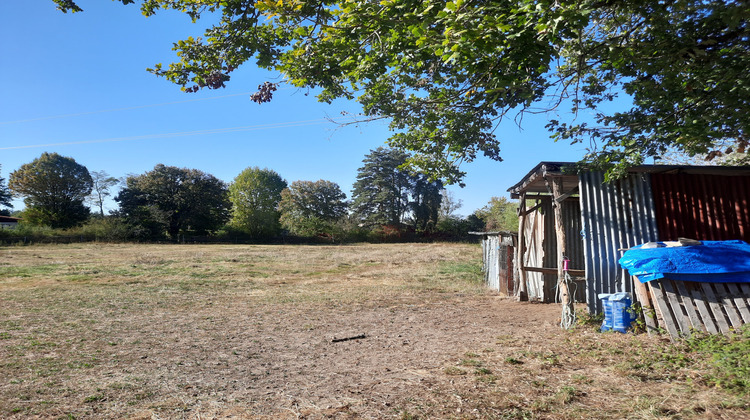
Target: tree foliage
x,y
727,157
102,185
381,192
449,205
5,195
255,195
54,188
386,193
445,72
426,199
500,214
174,201
312,208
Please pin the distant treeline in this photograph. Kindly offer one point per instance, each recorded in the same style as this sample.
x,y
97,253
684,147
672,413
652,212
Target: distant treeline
x,y
65,204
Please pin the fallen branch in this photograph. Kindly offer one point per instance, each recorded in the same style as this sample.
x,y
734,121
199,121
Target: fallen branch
x,y
356,337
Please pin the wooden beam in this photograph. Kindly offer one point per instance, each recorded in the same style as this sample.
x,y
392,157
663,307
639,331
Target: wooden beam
x,y
552,270
533,209
563,197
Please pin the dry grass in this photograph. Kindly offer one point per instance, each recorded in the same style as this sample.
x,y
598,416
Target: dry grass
x,y
148,331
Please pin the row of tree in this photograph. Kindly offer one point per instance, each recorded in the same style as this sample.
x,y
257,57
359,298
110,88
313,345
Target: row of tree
x,y
169,201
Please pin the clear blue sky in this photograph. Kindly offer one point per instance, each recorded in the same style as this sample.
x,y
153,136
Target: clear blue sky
x,y
76,84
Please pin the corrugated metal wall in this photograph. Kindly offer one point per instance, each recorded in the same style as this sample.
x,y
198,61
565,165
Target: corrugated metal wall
x,y
490,249
574,243
614,216
703,207
497,262
549,251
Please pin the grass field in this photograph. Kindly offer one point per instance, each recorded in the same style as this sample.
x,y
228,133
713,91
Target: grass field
x,y
244,331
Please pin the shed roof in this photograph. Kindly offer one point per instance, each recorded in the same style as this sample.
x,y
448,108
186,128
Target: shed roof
x,y
534,181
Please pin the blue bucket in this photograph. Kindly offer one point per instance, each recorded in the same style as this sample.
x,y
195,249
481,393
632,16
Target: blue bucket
x,y
617,317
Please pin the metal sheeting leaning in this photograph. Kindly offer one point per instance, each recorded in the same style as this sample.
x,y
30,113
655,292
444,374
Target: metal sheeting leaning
x,y
498,255
491,249
615,215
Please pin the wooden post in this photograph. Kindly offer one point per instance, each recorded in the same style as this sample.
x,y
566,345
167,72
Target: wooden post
x,y
562,285
523,294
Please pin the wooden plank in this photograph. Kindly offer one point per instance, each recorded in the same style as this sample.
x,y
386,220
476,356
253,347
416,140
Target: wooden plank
x,y
550,270
689,305
744,291
739,301
674,302
715,306
664,315
531,210
657,311
641,293
563,197
728,304
700,303
745,288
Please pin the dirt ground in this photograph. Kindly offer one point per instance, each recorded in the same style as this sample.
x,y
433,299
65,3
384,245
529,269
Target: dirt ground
x,y
282,362
79,342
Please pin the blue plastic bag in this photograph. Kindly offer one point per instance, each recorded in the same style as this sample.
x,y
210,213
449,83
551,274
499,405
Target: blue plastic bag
x,y
617,314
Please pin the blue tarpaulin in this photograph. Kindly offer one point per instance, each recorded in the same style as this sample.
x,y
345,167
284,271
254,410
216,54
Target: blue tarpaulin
x,y
713,261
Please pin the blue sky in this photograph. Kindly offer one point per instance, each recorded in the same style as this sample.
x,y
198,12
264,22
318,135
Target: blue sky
x,y
76,84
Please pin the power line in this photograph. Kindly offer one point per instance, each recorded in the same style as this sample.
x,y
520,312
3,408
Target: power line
x,y
183,133
53,117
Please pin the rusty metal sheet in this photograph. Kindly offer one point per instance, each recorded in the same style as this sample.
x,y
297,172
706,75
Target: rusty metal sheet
x,y
702,206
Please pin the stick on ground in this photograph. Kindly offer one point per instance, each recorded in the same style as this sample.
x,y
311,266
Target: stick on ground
x,y
356,337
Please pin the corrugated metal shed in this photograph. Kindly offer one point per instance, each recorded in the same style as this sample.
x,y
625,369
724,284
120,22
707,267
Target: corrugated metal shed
x,y
653,202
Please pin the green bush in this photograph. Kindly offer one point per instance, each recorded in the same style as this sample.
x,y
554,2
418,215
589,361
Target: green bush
x,y
108,229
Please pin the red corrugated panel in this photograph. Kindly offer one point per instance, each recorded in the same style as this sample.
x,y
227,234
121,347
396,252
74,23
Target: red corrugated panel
x,y
705,207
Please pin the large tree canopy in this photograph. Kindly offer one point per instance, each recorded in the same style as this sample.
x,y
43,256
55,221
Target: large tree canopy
x,y
255,195
381,192
174,201
312,208
446,72
387,194
54,188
